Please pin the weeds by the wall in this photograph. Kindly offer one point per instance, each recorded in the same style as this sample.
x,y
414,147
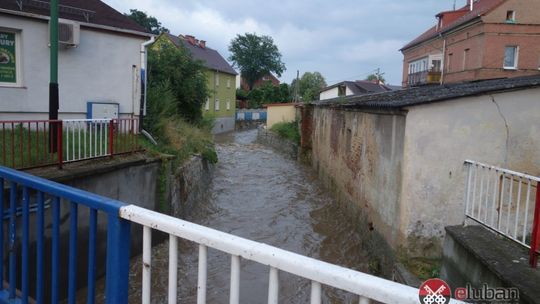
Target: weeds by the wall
x,y
288,130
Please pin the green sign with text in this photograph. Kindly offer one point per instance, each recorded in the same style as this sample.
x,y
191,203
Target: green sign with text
x,y
8,64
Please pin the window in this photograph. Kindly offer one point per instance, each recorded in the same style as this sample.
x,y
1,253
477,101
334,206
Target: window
x,y
228,104
207,104
228,82
449,63
510,17
342,90
465,59
436,65
216,104
418,66
10,66
511,57
217,78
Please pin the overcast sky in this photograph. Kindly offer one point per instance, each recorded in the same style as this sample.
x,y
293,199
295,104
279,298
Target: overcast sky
x,y
344,40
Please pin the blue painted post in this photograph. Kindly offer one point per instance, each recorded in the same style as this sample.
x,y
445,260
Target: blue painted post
x,y
118,243
91,295
55,250
40,251
12,240
72,268
25,243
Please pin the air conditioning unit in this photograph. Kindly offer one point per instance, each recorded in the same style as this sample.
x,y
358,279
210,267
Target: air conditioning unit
x,y
68,33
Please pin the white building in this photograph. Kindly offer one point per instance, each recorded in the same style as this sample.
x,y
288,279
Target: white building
x,y
353,88
99,60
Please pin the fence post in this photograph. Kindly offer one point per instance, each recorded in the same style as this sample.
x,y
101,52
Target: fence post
x,y
535,235
59,143
111,137
118,243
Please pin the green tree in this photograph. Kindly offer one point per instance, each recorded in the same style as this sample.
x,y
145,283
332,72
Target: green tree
x,y
173,68
309,86
255,56
148,22
284,93
375,77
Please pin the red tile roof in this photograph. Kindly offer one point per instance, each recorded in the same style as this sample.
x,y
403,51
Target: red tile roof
x,y
88,11
481,7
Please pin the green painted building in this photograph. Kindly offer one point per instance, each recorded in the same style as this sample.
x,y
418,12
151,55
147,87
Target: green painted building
x,y
221,104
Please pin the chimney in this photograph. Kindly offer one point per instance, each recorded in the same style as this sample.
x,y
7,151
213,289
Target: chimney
x,y
202,44
190,39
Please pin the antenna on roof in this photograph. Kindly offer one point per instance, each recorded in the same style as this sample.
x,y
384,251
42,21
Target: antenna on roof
x,y
454,4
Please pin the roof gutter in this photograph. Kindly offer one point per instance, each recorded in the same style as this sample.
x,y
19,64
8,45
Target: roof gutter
x,y
84,24
144,79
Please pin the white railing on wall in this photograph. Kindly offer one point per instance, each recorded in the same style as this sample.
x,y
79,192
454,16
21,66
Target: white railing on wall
x,y
85,139
367,287
502,200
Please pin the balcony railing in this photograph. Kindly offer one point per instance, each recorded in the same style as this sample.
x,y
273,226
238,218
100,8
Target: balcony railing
x,y
424,77
506,202
80,207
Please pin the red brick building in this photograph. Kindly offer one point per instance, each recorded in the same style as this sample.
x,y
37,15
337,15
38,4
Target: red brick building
x,y
268,78
485,39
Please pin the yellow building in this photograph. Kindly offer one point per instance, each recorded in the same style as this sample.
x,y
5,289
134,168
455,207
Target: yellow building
x,y
280,112
221,104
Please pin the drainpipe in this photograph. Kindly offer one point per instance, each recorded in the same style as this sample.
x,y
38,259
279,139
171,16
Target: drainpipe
x,y
443,61
144,60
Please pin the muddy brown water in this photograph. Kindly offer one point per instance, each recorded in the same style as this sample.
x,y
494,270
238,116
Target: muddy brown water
x,y
261,195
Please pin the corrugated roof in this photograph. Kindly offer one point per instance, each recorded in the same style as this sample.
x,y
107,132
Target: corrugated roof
x,y
430,94
481,7
96,12
212,59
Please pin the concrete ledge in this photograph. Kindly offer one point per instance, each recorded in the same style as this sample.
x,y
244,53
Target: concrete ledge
x,y
92,167
476,255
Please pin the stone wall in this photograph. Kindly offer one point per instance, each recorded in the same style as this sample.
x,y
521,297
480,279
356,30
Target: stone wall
x,y
358,157
277,142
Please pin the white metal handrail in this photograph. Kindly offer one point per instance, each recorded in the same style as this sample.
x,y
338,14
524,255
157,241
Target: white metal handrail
x,y
364,285
501,200
85,138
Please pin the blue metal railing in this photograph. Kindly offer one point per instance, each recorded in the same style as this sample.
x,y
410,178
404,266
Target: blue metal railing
x,y
18,190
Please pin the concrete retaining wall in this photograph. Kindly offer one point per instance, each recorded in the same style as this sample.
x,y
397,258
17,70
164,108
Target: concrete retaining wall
x,y
147,182
275,141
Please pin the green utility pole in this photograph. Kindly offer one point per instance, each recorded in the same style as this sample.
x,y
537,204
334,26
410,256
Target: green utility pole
x,y
53,85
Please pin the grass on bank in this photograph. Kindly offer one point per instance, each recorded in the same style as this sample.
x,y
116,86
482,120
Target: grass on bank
x,y
183,140
288,130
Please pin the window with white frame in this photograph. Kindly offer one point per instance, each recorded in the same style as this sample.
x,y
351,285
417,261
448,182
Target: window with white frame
x,y
511,54
10,66
207,104
418,66
510,16
216,104
228,104
217,78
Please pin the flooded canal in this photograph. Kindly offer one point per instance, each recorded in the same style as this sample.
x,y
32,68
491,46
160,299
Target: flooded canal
x,y
261,195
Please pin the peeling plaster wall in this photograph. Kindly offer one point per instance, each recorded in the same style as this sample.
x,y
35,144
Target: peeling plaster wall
x,y
358,156
500,129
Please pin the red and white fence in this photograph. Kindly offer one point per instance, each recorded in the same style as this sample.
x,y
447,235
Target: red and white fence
x,y
35,143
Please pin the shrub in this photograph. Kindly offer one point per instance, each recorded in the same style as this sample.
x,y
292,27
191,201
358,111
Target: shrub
x,y
288,130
